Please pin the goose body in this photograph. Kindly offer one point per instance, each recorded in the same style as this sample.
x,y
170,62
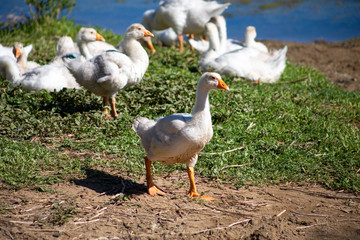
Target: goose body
x,y
179,138
247,62
183,16
50,77
113,70
225,44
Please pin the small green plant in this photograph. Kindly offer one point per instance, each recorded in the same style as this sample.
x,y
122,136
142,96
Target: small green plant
x,y
42,9
60,213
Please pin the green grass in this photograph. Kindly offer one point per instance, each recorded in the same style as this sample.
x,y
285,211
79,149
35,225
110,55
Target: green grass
x,y
304,132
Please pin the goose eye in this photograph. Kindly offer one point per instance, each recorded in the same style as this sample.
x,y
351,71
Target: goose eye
x,y
213,78
139,28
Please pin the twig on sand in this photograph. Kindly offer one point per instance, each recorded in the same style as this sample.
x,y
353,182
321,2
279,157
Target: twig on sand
x,y
22,222
227,151
43,230
7,232
308,214
95,220
281,213
303,227
320,194
294,81
230,166
219,228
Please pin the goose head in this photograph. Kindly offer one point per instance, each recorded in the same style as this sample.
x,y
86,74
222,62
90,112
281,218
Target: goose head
x,y
65,45
250,34
212,80
89,35
18,50
137,31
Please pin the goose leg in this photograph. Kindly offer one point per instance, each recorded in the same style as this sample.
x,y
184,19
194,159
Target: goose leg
x,y
113,108
106,103
191,36
181,42
152,189
192,192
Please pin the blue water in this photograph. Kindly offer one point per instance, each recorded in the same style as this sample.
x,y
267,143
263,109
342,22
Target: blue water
x,y
329,20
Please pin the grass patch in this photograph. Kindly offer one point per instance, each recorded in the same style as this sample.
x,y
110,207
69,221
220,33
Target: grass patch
x,y
304,131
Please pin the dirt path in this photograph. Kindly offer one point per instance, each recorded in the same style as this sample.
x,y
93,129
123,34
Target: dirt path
x,y
340,61
103,212
109,205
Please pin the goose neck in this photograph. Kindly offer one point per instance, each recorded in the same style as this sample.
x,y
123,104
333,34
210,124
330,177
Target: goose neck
x,y
84,50
22,62
202,105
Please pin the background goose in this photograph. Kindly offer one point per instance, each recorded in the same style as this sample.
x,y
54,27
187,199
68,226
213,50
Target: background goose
x,y
65,46
226,44
49,77
112,70
179,138
21,55
249,63
86,36
183,16
250,36
8,51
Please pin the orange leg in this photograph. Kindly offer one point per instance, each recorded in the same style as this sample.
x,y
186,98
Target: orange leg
x,y
191,36
106,103
192,192
181,43
152,189
113,109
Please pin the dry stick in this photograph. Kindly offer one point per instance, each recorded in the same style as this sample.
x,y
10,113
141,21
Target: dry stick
x,y
229,166
7,232
294,81
310,226
219,228
43,230
232,150
23,222
309,214
95,220
281,213
320,194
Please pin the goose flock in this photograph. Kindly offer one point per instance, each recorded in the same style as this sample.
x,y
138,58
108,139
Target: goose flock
x,y
92,64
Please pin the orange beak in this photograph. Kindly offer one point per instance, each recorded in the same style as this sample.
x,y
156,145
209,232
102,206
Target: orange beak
x,y
149,44
147,33
99,37
222,85
17,52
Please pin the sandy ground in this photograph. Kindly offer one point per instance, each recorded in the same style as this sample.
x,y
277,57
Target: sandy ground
x,y
111,205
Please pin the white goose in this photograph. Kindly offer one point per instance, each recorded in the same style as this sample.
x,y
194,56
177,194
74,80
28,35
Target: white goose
x,y
65,46
226,44
183,16
8,51
250,36
246,62
49,77
179,138
21,55
112,71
